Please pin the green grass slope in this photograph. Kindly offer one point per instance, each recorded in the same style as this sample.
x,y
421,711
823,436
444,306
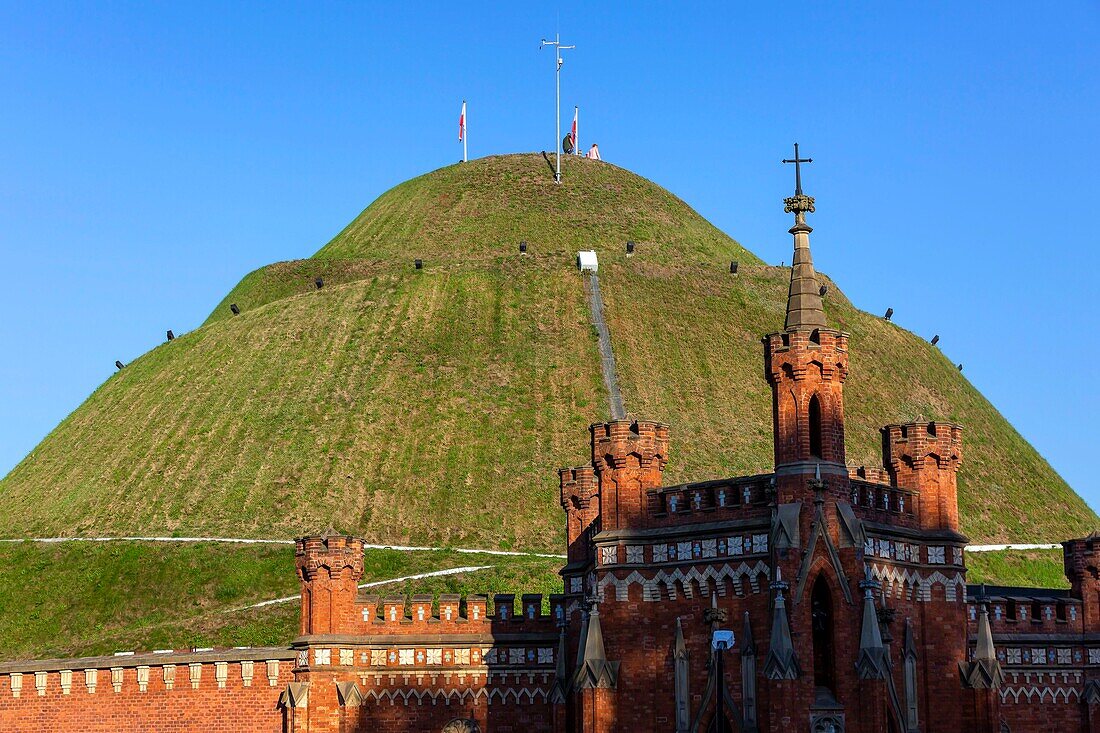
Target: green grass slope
x,y
78,599
433,406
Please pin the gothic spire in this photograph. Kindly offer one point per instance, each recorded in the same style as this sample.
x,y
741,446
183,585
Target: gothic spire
x,y
781,663
984,672
804,309
594,670
871,663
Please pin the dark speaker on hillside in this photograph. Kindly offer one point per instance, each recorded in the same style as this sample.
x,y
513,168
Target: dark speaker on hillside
x,y
630,248
233,307
171,335
119,364
960,367
419,264
889,313
733,267
935,339
822,290
319,282
523,248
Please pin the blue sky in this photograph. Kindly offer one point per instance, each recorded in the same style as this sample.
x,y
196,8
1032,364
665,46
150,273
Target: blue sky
x,y
152,155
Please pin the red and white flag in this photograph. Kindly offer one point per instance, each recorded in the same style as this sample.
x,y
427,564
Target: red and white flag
x,y
462,123
573,132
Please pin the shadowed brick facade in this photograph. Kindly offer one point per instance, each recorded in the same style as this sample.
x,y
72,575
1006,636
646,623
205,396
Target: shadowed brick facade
x,y
844,587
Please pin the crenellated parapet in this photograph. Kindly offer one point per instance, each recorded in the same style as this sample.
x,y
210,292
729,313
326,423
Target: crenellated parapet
x,y
453,613
925,457
820,353
630,443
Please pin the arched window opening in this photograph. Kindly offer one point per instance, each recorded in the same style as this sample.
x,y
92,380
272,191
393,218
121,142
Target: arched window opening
x,y
1010,610
912,721
815,427
821,611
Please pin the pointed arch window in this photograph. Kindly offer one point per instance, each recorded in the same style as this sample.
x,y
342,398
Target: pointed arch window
x,y
815,427
821,610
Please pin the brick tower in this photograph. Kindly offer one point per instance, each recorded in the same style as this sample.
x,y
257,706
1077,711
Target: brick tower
x,y
329,568
806,365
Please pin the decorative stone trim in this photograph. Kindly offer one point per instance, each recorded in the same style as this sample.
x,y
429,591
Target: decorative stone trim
x,y
40,683
116,679
16,684
169,676
272,672
91,676
689,579
195,673
521,695
221,673
915,585
143,678
247,669
66,681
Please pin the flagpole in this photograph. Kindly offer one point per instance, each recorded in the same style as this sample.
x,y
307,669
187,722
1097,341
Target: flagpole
x,y
577,131
558,48
465,130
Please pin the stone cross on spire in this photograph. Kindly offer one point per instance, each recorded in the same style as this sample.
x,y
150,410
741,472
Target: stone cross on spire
x,y
798,169
804,309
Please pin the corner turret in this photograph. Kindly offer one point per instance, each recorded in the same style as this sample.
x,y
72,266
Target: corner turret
x,y
925,457
329,567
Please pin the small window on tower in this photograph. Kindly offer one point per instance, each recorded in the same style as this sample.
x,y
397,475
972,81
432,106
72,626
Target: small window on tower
x,y
1010,610
815,427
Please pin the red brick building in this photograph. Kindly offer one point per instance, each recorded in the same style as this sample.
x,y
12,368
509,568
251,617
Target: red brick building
x,y
818,598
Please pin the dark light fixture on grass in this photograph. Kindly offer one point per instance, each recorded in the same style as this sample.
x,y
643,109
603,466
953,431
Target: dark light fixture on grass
x,y
935,339
630,248
733,267
233,307
419,264
889,313
118,364
319,282
171,335
523,247
822,290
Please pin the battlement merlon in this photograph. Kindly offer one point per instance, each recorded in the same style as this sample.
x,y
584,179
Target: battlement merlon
x,y
925,456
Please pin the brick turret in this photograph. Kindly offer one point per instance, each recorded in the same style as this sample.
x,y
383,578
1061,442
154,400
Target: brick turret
x,y
580,500
1081,558
925,456
629,458
329,568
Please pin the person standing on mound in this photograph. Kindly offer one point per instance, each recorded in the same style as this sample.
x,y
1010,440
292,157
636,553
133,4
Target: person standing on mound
x,y
593,152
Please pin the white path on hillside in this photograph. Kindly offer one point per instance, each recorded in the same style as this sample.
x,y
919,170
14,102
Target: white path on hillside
x,y
243,541
998,548
433,574
415,548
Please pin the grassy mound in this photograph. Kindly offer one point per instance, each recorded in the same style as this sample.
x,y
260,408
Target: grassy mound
x,y
432,406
